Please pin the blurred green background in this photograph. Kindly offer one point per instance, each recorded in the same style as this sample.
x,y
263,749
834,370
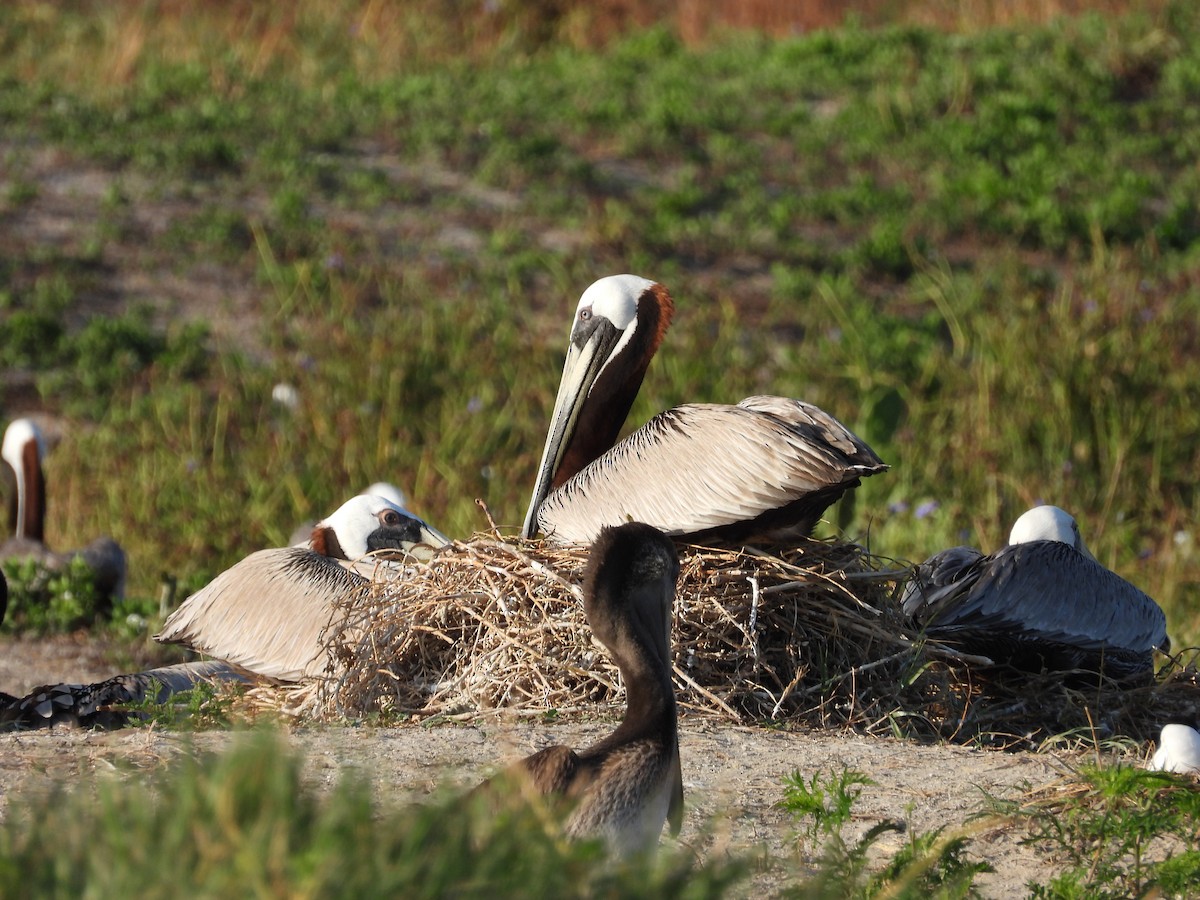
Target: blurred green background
x,y
968,230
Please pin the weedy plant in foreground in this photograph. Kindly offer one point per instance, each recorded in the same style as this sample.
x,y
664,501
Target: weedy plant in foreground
x,y
244,823
931,864
1122,831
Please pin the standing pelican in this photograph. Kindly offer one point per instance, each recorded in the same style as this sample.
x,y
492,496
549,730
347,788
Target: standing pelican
x,y
1178,750
767,466
1042,601
266,613
22,450
623,788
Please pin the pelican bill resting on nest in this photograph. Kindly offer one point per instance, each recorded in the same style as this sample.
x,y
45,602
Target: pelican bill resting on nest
x,y
1178,750
625,787
266,614
23,450
767,467
1041,602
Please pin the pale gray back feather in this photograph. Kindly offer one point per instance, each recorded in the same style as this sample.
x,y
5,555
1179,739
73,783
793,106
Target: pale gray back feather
x,y
267,613
705,466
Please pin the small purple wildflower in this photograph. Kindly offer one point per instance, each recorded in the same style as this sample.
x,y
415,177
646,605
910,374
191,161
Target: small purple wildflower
x,y
926,509
474,405
898,506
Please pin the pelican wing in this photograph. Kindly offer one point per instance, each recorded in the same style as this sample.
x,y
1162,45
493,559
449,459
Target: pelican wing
x,y
939,581
767,463
266,614
1047,591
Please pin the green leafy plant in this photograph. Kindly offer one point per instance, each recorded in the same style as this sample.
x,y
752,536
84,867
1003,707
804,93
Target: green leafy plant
x,y
1122,831
931,864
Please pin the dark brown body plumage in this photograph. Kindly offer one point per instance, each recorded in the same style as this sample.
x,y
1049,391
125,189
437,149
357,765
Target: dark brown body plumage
x,y
623,788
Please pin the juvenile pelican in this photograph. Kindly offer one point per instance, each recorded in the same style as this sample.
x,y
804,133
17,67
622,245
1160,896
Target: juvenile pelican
x,y
267,612
623,788
1178,750
1041,602
22,450
767,466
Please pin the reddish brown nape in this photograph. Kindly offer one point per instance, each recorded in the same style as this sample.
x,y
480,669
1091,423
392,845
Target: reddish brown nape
x,y
34,526
614,391
318,540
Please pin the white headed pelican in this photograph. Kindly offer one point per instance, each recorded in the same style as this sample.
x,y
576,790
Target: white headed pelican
x,y
1178,750
1041,602
23,450
769,466
266,613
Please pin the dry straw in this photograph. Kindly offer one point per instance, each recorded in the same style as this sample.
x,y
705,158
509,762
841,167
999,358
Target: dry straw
x,y
812,636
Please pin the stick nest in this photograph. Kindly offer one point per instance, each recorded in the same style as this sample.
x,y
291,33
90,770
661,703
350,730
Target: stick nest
x,y
812,636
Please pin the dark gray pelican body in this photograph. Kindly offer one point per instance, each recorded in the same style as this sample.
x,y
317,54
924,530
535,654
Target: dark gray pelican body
x,y
769,466
267,613
22,450
1042,602
106,704
625,787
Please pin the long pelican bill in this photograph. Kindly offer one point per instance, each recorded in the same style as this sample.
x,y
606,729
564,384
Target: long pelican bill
x,y
587,354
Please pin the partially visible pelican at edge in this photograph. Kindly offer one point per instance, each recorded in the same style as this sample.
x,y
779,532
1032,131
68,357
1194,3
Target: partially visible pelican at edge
x,y
1041,602
23,450
266,613
769,466
1178,750
625,787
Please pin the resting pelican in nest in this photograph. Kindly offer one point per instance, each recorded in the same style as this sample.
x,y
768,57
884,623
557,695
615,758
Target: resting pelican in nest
x,y
625,787
1041,602
266,613
23,450
1178,750
769,466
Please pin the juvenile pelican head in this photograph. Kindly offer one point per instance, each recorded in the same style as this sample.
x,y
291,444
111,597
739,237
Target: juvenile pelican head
x,y
619,324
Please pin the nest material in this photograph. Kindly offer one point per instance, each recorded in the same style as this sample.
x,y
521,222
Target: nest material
x,y
813,636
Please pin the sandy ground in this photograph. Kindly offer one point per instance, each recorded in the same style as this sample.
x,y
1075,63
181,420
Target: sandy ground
x,y
732,775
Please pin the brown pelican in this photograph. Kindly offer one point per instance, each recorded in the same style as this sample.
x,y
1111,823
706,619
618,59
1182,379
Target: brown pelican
x,y
107,704
623,788
22,450
1041,602
707,472
1178,750
387,491
267,612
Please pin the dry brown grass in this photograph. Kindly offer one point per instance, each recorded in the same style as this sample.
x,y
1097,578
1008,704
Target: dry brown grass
x,y
812,637
378,39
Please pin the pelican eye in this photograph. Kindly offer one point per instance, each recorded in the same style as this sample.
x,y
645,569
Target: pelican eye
x,y
389,517
585,314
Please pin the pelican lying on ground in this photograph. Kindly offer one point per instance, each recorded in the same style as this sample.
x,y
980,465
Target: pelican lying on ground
x,y
706,472
107,704
22,450
1041,602
1178,750
267,612
623,788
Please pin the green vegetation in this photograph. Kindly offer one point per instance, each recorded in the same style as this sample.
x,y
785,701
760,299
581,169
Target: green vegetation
x,y
977,250
929,865
1123,832
244,823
